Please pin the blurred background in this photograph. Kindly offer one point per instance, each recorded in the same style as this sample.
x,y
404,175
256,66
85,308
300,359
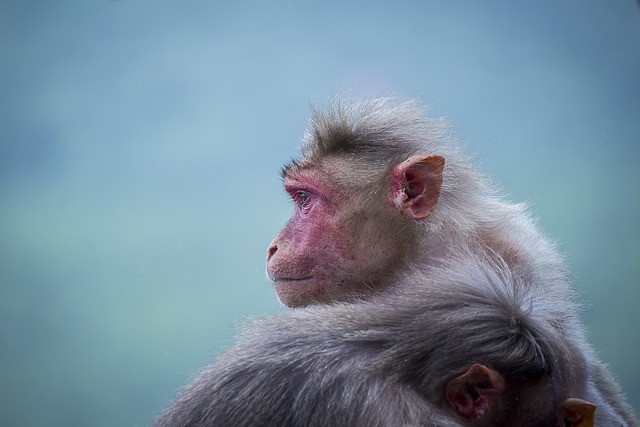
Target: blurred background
x,y
140,145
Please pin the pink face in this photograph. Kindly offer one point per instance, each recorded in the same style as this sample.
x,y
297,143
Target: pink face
x,y
320,255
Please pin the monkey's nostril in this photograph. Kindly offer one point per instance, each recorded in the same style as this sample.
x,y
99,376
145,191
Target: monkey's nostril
x,y
271,251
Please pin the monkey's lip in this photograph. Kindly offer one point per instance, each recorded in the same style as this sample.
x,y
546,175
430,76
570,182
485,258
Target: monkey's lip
x,y
292,279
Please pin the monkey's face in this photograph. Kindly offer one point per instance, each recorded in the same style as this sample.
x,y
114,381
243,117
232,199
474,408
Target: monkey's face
x,y
350,232
334,247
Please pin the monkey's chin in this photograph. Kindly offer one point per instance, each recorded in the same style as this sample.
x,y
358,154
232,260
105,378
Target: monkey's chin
x,y
300,292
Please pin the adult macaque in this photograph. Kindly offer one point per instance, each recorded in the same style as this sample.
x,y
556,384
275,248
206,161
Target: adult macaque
x,y
465,346
374,202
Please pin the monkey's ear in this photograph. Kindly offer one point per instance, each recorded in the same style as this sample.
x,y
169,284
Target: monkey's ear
x,y
473,394
415,185
577,413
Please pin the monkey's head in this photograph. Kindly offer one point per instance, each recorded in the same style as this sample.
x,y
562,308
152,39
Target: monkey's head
x,y
483,397
358,192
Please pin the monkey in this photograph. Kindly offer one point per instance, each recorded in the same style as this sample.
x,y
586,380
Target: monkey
x,y
471,348
372,198
373,202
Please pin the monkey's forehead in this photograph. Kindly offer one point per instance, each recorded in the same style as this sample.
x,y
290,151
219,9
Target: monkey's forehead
x,y
328,176
303,167
309,178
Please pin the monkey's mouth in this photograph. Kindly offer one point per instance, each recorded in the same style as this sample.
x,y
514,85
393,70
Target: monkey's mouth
x,y
292,279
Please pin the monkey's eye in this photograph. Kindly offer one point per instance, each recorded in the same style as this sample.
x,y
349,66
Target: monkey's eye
x,y
302,199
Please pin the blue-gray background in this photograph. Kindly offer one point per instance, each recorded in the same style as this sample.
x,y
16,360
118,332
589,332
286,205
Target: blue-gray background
x,y
140,144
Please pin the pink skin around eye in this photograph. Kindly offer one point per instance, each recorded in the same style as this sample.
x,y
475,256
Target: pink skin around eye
x,y
304,260
304,194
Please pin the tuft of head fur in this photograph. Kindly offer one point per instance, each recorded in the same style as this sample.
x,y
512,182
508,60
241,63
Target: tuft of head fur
x,y
381,127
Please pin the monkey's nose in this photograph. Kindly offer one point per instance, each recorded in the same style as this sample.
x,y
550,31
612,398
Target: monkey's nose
x,y
271,251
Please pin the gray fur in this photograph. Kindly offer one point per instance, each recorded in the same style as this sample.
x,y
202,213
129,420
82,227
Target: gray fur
x,y
379,362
